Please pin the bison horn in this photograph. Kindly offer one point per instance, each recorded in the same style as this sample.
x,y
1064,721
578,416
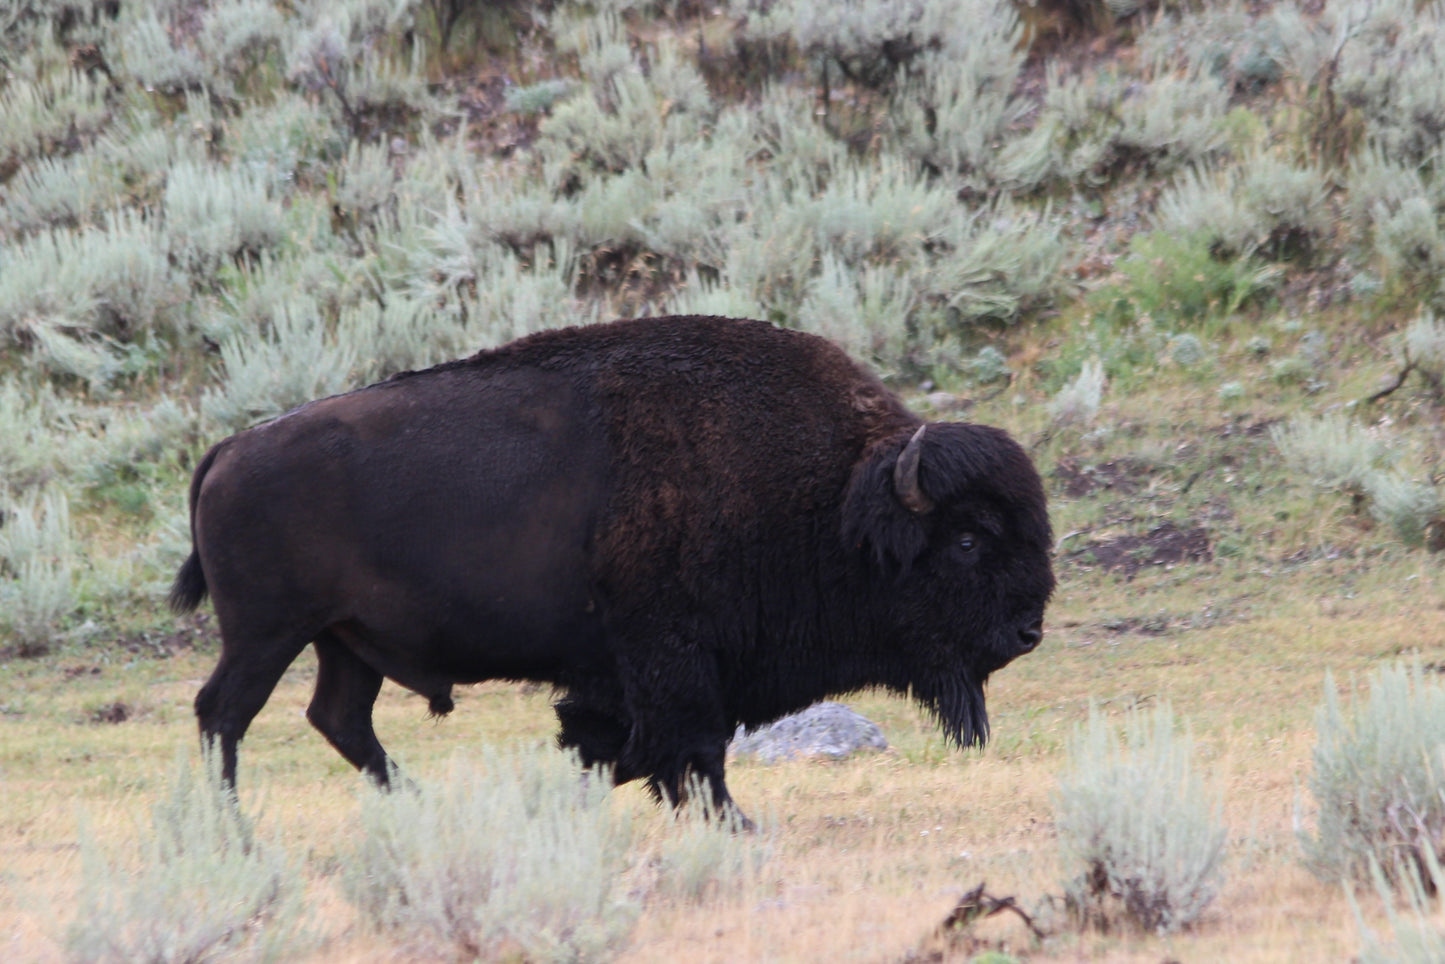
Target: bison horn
x,y
905,476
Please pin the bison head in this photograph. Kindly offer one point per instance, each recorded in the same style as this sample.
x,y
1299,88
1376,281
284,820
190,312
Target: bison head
x,y
953,522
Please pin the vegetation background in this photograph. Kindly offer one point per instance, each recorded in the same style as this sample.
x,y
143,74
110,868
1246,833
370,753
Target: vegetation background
x,y
1188,251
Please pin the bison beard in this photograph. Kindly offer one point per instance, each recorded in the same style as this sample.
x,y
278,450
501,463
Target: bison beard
x,y
683,524
957,704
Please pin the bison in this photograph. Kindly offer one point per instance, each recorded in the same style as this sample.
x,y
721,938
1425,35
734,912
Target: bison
x,y
682,524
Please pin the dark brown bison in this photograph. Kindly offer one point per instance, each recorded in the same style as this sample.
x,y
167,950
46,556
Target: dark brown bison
x,y
681,523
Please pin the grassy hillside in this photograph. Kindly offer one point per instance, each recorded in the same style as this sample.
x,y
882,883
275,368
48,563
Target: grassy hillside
x,y
1188,253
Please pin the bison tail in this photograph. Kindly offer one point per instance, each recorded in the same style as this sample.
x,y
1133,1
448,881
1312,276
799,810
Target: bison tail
x,y
190,586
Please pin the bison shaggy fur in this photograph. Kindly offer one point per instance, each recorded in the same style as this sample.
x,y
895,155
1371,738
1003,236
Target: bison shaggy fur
x,y
683,524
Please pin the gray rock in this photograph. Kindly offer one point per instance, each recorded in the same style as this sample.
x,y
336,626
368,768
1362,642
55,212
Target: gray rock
x,y
824,729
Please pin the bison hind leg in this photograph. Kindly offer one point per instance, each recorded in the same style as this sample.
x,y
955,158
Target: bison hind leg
x,y
346,689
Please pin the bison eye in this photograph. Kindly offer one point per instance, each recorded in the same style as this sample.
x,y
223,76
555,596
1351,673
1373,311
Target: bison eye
x,y
967,542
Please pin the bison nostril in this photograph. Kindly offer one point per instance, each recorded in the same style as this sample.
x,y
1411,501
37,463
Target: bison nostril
x,y
1031,636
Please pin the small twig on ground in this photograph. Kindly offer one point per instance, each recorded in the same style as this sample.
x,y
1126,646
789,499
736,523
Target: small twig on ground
x,y
1389,390
978,904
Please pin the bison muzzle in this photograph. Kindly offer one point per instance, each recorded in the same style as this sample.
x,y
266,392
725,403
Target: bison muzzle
x,y
683,524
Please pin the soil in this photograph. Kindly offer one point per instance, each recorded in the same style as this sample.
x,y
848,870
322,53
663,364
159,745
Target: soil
x,y
1164,545
1125,476
116,712
189,633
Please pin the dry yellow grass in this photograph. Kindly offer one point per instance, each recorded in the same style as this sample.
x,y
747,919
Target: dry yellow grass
x,y
869,854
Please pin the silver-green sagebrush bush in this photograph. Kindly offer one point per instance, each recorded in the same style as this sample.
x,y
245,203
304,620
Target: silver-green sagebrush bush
x,y
1263,204
1377,184
56,192
266,373
1379,778
32,415
1139,830
36,569
1078,402
37,115
1418,938
151,58
102,282
1410,242
214,215
706,855
200,885
516,857
1333,451
1410,506
956,102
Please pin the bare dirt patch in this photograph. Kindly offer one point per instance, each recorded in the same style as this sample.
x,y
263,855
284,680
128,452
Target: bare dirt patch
x,y
190,633
117,712
1125,476
1165,545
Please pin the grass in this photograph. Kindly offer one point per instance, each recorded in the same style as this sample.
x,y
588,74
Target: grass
x,y
870,853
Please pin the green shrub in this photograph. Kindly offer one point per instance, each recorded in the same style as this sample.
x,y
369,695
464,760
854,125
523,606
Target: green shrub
x,y
32,417
1408,506
1335,452
1379,778
1371,69
36,562
345,48
150,56
294,361
988,366
238,37
1187,351
1137,826
214,215
874,42
1418,938
707,855
56,192
1390,69
200,886
863,311
516,858
626,111
958,100
1424,345
1077,403
27,24
366,183
290,143
997,262
1264,204
1177,277
1242,48
1379,184
537,98
1177,117
45,116
1410,242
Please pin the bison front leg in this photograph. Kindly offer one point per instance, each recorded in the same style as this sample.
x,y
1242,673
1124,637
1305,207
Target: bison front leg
x,y
679,734
346,689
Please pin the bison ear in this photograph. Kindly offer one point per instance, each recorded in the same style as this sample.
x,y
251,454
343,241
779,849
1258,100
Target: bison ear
x,y
885,509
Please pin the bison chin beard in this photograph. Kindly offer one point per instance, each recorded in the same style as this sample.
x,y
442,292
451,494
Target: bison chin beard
x,y
957,703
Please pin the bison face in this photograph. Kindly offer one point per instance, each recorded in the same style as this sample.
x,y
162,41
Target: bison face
x,y
954,522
